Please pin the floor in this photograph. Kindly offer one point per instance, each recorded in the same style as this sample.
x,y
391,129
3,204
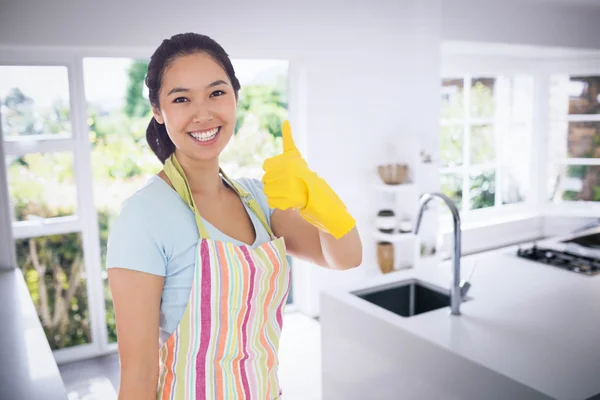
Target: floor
x,y
299,369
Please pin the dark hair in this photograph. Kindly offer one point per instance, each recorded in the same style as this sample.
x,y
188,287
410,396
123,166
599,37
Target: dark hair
x,y
170,49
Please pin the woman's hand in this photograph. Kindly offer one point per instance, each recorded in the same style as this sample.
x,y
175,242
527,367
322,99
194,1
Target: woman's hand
x,y
289,183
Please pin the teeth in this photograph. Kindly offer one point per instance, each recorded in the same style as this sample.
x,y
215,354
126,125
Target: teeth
x,y
206,135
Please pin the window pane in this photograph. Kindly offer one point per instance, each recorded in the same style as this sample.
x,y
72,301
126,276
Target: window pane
x,y
451,185
118,114
41,185
482,144
451,145
584,140
482,98
482,189
581,183
54,272
515,182
584,95
34,100
453,99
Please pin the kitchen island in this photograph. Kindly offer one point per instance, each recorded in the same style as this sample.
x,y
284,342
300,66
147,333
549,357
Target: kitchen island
x,y
527,331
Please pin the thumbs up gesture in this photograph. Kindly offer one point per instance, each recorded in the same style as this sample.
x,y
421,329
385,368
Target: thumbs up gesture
x,y
289,183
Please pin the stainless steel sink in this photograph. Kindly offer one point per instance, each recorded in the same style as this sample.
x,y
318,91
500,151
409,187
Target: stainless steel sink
x,y
407,298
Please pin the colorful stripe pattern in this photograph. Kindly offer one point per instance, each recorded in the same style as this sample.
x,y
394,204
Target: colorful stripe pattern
x,y
226,344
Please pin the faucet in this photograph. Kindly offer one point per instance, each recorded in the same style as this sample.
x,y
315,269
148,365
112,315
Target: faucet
x,y
459,289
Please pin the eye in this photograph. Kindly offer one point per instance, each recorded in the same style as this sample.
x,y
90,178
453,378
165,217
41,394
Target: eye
x,y
180,100
217,93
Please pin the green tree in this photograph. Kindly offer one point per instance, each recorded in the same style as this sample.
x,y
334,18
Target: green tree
x,y
136,105
121,161
483,190
18,118
52,265
267,103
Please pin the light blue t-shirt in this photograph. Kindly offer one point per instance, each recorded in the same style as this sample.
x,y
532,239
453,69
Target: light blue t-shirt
x,y
156,232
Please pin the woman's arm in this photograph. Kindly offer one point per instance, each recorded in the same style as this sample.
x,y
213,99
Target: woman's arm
x,y
305,241
136,297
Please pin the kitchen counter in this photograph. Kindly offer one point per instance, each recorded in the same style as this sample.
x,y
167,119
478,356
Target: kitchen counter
x,y
27,367
529,331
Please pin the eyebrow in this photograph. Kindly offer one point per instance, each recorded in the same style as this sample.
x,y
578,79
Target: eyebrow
x,y
210,85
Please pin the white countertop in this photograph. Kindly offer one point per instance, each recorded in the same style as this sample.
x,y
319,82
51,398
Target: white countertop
x,y
535,323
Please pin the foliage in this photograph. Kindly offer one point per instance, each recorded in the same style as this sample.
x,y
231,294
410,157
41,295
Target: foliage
x,y
53,268
135,103
483,190
21,117
43,186
266,103
481,149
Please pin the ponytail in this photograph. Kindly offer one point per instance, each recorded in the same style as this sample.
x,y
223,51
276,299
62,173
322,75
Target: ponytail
x,y
159,141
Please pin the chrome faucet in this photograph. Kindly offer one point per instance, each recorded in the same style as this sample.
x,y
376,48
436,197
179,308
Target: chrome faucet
x,y
459,289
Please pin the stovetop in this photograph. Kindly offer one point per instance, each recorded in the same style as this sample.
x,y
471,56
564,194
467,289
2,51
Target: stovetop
x,y
562,259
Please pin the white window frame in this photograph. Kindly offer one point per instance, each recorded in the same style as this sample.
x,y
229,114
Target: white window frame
x,y
85,221
461,67
492,231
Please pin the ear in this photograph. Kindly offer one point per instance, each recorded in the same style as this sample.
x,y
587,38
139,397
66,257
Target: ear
x,y
157,115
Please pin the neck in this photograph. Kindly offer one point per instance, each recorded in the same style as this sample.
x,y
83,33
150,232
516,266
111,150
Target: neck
x,y
202,175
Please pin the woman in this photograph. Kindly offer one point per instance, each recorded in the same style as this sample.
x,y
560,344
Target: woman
x,y
196,261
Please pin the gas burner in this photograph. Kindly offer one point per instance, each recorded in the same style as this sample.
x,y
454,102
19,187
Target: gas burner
x,y
562,259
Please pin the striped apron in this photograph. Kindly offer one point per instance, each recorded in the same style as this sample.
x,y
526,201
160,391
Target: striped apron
x,y
226,344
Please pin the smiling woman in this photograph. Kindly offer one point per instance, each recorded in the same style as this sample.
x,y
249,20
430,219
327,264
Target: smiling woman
x,y
198,262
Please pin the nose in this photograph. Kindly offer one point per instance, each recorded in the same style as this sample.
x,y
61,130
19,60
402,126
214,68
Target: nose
x,y
202,113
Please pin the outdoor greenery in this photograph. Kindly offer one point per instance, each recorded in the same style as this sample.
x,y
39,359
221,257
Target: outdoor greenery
x,y
482,188
43,186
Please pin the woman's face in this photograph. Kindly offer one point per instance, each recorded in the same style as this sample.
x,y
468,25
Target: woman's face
x,y
197,106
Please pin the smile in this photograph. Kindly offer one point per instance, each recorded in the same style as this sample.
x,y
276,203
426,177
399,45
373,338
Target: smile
x,y
205,136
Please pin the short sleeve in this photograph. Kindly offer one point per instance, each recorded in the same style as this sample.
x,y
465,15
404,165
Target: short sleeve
x,y
257,189
135,239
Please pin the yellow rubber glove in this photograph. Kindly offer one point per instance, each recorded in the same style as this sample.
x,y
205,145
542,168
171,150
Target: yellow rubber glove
x,y
289,183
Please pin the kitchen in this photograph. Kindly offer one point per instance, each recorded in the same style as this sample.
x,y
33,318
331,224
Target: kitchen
x,y
364,90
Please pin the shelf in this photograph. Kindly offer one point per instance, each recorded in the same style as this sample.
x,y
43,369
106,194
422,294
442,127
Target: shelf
x,y
395,188
394,237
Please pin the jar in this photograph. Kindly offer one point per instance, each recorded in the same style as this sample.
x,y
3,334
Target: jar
x,y
386,221
405,225
385,256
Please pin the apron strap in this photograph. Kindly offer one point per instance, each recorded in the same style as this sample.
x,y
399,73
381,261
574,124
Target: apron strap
x,y
175,173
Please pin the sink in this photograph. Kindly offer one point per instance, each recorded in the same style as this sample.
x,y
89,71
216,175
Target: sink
x,y
407,298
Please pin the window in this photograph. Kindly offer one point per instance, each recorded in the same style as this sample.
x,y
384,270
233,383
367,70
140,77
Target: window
x,y
574,139
485,141
119,112
42,185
